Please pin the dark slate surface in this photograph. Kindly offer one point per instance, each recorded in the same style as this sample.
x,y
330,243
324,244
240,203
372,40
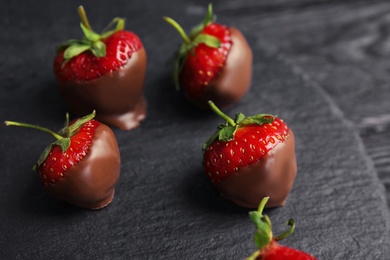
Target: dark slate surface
x,y
164,206
344,47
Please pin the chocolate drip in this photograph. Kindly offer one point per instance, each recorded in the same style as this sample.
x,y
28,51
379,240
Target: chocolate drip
x,y
116,96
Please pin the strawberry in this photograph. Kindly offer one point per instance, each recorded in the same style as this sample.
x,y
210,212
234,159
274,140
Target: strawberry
x,y
96,54
251,157
82,165
269,248
103,72
214,62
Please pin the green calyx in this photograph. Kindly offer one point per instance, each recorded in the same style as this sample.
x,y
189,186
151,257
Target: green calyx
x,y
62,137
226,131
191,41
263,234
91,41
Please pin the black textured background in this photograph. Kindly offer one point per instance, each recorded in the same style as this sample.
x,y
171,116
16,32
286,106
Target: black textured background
x,y
320,65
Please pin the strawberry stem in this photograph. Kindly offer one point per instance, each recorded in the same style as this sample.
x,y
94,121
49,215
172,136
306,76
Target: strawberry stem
x,y
224,116
262,205
288,232
175,25
12,123
83,17
263,235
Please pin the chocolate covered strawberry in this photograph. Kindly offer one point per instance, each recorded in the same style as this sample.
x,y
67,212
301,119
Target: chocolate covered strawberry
x,y
269,248
214,62
82,166
251,157
103,72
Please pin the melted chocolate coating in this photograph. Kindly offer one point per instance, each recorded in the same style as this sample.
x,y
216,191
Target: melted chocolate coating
x,y
235,77
272,176
91,183
116,96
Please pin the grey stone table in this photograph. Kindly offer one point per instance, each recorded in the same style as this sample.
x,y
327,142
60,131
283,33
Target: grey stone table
x,y
344,47
165,208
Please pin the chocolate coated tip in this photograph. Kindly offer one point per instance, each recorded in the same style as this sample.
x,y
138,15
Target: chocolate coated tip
x,y
234,79
91,183
272,176
116,96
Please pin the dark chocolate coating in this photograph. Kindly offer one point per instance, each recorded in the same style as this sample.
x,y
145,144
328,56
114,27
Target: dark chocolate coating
x,y
272,176
235,77
91,182
116,96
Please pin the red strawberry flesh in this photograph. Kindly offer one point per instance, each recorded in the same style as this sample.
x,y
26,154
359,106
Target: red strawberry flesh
x,y
91,182
266,242
214,62
250,144
119,48
275,251
205,63
82,166
58,162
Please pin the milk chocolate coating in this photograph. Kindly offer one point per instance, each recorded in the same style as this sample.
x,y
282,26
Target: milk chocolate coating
x,y
235,77
272,176
116,96
91,183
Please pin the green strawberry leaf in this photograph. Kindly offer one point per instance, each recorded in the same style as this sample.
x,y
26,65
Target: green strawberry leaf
x,y
239,118
42,157
196,30
99,49
207,39
63,136
263,234
210,18
183,49
92,40
258,119
227,133
73,129
191,41
220,126
212,138
254,256
74,41
120,25
288,232
65,130
65,45
64,143
224,133
74,50
89,34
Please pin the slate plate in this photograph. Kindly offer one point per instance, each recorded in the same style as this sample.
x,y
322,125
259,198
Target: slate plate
x,y
165,208
342,45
